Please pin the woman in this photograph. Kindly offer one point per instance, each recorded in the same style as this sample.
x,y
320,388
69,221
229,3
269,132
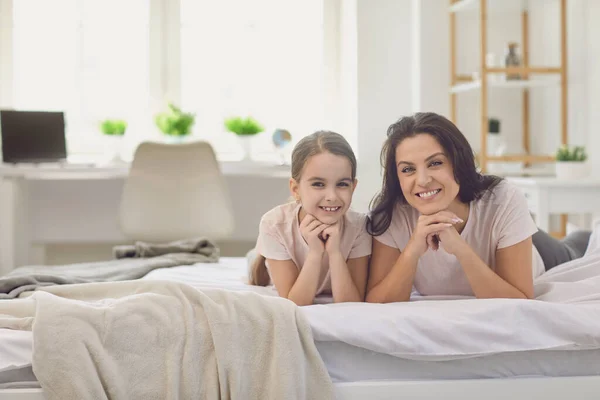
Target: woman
x,y
442,227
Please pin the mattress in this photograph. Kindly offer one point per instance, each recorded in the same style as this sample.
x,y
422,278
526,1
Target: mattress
x,y
351,338
346,363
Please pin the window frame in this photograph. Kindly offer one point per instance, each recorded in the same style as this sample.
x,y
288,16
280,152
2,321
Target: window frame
x,y
165,66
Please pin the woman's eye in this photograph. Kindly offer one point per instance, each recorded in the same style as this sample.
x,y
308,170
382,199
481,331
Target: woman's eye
x,y
407,170
435,163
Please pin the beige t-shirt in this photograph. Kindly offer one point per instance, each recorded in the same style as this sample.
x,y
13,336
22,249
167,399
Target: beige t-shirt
x,y
279,238
500,218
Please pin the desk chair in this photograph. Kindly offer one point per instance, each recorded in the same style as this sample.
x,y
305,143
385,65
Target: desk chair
x,y
175,192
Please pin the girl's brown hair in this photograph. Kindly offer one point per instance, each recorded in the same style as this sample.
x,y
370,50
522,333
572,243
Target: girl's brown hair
x,y
316,143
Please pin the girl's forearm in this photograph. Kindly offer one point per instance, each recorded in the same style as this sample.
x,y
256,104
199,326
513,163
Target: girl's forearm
x,y
343,287
305,288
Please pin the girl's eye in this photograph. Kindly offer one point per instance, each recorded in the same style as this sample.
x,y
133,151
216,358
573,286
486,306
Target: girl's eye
x,y
343,184
317,184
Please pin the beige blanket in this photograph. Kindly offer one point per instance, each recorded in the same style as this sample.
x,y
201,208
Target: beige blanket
x,y
165,340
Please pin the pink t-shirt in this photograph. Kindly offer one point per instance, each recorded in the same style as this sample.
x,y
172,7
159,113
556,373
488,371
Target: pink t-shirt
x,y
500,218
279,238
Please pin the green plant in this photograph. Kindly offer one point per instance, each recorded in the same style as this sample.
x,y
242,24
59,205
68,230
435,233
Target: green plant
x,y
493,125
243,126
175,122
566,153
113,127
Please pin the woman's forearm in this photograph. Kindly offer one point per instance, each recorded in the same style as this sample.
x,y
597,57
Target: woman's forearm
x,y
305,288
484,282
343,287
398,283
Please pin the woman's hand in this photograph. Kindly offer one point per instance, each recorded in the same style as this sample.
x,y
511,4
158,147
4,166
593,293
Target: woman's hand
x,y
450,240
331,235
427,231
311,230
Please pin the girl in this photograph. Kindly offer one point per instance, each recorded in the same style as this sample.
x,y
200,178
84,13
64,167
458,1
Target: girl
x,y
316,245
442,227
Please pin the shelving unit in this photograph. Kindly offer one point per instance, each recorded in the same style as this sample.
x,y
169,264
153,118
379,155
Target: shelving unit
x,y
483,84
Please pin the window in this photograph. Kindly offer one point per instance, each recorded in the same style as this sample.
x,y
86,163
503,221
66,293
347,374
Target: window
x,y
89,58
262,58
126,59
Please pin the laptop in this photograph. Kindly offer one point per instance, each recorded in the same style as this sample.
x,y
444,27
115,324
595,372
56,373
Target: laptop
x,y
33,136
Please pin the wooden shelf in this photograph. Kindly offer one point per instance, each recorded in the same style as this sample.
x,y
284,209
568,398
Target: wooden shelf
x,y
497,6
526,158
502,83
525,70
494,77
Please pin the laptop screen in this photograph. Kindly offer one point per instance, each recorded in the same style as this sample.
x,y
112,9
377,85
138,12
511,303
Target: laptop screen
x,y
32,136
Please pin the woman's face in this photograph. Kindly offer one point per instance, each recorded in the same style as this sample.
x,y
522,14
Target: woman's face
x,y
426,174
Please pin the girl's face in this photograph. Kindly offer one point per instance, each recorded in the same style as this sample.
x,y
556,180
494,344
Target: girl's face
x,y
325,187
426,175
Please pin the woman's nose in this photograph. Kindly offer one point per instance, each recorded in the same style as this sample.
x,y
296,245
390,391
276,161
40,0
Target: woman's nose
x,y
423,178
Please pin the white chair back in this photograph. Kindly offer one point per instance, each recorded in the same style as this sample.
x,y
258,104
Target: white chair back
x,y
173,192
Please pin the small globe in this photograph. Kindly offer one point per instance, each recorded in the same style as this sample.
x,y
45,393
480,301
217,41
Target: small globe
x,y
281,138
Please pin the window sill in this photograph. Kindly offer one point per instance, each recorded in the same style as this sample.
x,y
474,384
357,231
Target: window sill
x,y
88,168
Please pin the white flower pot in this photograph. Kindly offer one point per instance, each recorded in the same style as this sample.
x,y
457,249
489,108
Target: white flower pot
x,y
175,139
571,170
246,143
114,146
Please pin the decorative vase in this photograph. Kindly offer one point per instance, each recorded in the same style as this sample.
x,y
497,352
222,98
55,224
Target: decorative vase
x,y
512,59
495,147
570,170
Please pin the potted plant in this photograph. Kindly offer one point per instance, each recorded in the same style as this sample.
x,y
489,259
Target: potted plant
x,y
175,123
245,129
115,129
571,162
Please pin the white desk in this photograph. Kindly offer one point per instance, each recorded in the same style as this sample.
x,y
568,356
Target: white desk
x,y
49,204
547,196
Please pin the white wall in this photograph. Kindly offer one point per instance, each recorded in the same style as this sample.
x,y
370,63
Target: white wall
x,y
593,82
384,70
5,51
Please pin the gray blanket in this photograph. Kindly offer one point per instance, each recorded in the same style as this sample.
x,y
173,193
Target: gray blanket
x,y
133,262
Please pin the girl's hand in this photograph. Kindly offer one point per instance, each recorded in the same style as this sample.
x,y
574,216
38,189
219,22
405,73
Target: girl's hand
x,y
331,234
311,229
426,232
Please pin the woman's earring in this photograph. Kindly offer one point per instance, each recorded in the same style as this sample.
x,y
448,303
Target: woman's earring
x,y
297,199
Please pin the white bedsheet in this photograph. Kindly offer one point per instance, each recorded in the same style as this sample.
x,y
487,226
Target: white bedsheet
x,y
16,348
568,318
564,316
434,329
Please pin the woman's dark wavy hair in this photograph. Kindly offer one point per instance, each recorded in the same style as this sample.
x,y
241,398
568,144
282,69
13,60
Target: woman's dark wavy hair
x,y
458,150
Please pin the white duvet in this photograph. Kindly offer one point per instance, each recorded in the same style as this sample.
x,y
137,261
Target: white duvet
x,y
565,315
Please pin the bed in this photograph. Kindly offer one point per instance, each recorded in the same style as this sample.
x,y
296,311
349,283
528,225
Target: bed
x,y
426,350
